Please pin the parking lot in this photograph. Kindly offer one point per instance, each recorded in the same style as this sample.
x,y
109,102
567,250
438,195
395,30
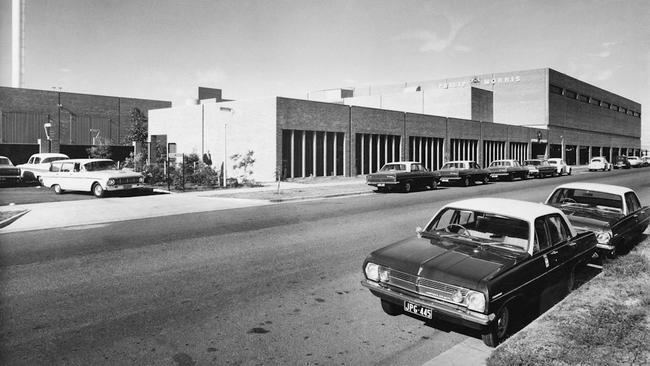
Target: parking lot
x,y
26,194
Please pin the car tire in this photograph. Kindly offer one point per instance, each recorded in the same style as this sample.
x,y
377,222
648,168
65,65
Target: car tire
x,y
407,187
381,189
497,331
466,182
486,180
569,172
390,308
434,184
98,190
571,280
57,189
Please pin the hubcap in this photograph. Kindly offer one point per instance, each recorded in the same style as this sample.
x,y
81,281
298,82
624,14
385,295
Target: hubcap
x,y
502,323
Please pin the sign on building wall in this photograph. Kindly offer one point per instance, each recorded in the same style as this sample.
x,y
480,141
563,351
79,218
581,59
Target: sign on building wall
x,y
476,81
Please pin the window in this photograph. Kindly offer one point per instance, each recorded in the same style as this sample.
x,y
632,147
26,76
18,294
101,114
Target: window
x,y
604,104
613,107
637,114
570,94
632,202
37,160
583,98
557,229
622,109
67,167
594,101
541,236
555,89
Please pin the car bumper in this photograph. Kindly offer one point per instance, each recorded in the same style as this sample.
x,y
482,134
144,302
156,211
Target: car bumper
x,y
382,184
452,313
450,179
124,187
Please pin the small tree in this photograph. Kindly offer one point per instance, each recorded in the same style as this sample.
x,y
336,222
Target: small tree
x,y
245,164
139,134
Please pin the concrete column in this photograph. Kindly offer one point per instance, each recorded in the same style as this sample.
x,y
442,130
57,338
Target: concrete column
x,y
313,157
335,150
293,158
370,154
378,156
386,148
392,151
304,142
363,155
325,154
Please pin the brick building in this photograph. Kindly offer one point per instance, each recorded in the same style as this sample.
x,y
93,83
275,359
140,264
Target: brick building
x,y
77,121
355,131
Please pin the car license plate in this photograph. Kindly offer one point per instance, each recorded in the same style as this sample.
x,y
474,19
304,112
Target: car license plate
x,y
380,185
127,186
418,310
444,180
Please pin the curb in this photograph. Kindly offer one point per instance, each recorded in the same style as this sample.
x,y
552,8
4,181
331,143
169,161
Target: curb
x,y
304,198
13,218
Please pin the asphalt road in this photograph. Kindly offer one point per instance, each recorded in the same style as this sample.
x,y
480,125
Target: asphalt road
x,y
266,285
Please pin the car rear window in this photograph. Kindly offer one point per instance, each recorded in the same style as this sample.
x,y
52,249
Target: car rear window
x,y
586,198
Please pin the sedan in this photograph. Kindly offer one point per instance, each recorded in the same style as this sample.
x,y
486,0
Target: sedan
x,y
599,163
635,161
406,175
465,172
8,172
613,212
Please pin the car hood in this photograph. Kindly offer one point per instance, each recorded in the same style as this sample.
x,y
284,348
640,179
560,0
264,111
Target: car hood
x,y
445,260
591,218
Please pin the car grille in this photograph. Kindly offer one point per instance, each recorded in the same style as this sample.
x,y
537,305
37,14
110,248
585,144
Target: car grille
x,y
127,180
423,286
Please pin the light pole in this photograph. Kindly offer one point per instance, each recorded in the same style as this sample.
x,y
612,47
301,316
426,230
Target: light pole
x,y
225,145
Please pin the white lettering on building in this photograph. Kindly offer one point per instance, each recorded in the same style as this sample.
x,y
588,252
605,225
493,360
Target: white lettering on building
x,y
476,80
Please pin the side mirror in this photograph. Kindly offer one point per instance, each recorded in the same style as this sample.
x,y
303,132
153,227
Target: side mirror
x,y
419,231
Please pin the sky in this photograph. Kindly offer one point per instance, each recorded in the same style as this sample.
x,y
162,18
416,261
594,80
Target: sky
x,y
166,49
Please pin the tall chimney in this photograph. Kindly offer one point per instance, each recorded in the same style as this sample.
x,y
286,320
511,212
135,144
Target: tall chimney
x,y
17,42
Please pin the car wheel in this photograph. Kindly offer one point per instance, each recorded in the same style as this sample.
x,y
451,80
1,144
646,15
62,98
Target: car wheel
x,y
407,187
381,189
498,329
571,280
390,308
98,190
57,189
486,180
569,172
434,184
466,182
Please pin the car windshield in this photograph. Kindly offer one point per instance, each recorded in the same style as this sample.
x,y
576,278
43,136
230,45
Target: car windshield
x,y
596,160
500,163
48,160
393,167
482,228
454,165
532,162
587,199
5,161
100,165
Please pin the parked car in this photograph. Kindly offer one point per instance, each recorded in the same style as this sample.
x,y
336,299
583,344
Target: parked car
x,y
507,169
614,213
479,263
38,164
635,161
645,161
599,163
466,172
621,162
92,175
8,172
539,168
560,165
405,175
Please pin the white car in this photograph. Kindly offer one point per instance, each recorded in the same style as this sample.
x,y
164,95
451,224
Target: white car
x,y
38,164
91,175
635,161
599,163
560,165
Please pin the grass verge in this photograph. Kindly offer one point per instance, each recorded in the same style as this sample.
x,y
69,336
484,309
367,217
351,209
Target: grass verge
x,y
604,322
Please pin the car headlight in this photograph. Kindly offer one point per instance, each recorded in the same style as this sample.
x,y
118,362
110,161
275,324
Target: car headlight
x,y
603,237
376,272
141,179
475,301
111,182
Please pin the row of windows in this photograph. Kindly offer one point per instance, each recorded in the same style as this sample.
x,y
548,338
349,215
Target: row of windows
x,y
587,99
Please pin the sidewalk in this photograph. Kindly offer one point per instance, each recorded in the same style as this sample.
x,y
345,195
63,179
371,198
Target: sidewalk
x,y
48,215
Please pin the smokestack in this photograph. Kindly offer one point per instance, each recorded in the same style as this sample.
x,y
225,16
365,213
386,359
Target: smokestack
x,y
17,40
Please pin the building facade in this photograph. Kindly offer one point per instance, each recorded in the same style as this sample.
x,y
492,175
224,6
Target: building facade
x,y
54,121
354,131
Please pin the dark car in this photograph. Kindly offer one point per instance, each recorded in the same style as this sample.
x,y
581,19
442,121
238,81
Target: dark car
x,y
621,162
8,172
539,168
479,263
507,169
465,172
614,213
405,175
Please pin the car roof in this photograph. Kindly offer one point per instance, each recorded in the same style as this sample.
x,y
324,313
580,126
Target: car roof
x,y
460,161
524,210
554,159
599,187
50,155
403,162
83,161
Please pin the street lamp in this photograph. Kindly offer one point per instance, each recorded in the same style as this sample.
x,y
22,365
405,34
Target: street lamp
x,y
225,145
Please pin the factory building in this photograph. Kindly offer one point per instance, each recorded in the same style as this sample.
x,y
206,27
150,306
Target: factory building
x,y
354,131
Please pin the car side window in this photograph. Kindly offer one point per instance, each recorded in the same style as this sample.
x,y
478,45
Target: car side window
x,y
415,167
37,160
558,231
77,167
66,167
55,167
541,236
632,202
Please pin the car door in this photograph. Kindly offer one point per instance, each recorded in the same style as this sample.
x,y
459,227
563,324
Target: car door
x,y
638,216
557,248
64,176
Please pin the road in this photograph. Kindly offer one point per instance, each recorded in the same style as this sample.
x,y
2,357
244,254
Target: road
x,y
265,285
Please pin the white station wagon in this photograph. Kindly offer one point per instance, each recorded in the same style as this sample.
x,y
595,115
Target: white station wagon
x,y
92,175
